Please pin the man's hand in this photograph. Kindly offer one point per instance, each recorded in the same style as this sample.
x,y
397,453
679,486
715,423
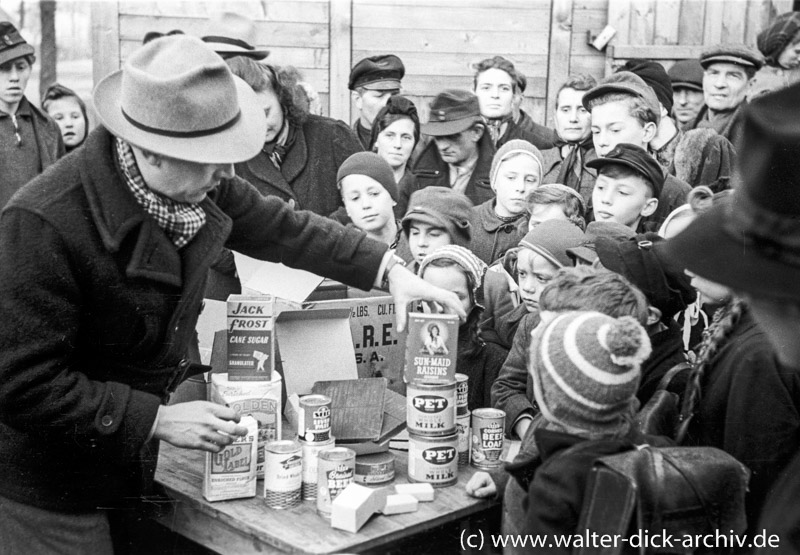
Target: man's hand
x,y
405,287
481,485
198,425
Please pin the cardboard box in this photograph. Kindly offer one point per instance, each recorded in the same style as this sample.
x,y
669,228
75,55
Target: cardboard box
x,y
431,348
251,347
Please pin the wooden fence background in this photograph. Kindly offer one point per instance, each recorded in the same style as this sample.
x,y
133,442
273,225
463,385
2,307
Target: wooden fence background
x,y
439,40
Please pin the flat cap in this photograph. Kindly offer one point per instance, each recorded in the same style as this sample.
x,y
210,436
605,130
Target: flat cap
x,y
625,82
687,74
377,73
636,158
733,54
452,111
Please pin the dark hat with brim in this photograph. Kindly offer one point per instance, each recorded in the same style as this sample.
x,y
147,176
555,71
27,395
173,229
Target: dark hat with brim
x,y
686,74
175,97
377,73
627,83
452,111
12,45
230,34
739,54
635,158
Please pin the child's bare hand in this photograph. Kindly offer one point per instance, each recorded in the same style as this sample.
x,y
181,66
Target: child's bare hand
x,y
481,485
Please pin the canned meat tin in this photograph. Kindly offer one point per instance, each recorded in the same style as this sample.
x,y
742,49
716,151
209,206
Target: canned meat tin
x,y
283,470
310,458
462,394
487,438
431,408
374,470
314,420
336,469
433,460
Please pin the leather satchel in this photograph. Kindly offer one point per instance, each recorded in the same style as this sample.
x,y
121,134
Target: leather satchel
x,y
665,411
663,491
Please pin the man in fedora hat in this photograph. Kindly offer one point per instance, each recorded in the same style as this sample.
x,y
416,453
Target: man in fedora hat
x,y
29,139
231,34
752,246
459,152
103,263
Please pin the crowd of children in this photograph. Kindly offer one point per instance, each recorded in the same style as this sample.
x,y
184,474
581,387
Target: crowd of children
x,y
657,224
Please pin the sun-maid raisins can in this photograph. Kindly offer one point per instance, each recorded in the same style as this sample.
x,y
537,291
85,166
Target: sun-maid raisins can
x,y
433,460
462,431
314,420
431,408
462,394
310,458
283,470
487,438
336,469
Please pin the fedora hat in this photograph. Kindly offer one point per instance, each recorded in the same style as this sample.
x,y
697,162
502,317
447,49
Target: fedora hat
x,y
174,96
231,34
750,241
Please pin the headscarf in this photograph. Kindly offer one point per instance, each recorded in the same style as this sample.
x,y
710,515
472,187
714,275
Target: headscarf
x,y
396,105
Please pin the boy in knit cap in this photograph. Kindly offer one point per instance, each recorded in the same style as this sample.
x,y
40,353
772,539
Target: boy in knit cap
x,y
499,223
436,216
369,193
456,269
626,110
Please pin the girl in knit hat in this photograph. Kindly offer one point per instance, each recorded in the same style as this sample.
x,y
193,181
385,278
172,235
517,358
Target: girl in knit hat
x,y
456,269
499,223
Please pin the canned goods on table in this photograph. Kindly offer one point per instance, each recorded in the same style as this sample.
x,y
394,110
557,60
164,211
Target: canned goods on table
x,y
335,471
283,468
314,420
430,408
462,431
376,469
462,394
433,460
311,453
487,438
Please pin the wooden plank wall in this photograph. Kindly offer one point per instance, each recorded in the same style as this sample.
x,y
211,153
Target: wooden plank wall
x,y
440,40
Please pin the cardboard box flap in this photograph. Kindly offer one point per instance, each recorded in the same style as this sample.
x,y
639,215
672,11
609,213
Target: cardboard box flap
x,y
272,278
394,415
356,407
314,345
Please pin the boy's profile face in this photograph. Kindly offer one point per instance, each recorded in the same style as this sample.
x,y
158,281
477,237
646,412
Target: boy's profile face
x,y
534,272
516,177
424,238
573,122
612,123
14,75
624,200
367,202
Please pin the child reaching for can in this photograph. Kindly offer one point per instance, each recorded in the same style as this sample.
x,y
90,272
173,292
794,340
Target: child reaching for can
x,y
456,269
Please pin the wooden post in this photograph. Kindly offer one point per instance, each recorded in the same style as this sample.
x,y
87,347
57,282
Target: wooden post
x,y
341,52
619,17
47,49
105,39
559,57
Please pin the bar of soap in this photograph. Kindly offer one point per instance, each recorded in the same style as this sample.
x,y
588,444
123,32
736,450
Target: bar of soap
x,y
423,492
354,505
399,503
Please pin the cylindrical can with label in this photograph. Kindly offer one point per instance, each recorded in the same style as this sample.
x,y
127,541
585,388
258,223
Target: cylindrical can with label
x,y
336,469
314,420
310,454
462,394
433,460
462,430
431,408
374,470
487,438
283,469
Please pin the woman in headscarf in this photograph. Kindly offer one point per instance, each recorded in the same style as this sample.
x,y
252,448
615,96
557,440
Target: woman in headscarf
x,y
780,45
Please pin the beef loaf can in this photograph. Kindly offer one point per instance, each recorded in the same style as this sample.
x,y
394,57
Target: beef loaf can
x,y
487,438
336,470
431,408
314,420
462,394
283,471
374,470
311,453
462,430
433,460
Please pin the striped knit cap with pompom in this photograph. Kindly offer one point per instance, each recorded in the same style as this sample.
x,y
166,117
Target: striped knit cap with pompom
x,y
474,267
586,369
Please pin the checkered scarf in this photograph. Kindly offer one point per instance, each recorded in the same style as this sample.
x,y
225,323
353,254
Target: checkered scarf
x,y
180,221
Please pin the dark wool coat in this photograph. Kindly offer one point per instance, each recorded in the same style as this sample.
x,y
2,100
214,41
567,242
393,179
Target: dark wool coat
x,y
99,308
672,196
500,302
528,130
667,352
730,126
750,408
551,173
308,172
430,169
481,367
491,236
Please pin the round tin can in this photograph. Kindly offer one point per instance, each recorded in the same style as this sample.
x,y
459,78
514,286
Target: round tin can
x,y
375,470
462,431
433,460
430,408
336,468
283,468
314,420
462,394
310,454
487,438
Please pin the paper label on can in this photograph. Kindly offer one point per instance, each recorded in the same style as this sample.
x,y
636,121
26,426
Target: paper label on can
x,y
433,462
283,472
487,443
431,412
431,347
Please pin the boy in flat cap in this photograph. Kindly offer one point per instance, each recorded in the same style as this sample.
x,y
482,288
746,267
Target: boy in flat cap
x,y
97,329
373,80
496,84
460,153
626,110
727,72
29,139
687,92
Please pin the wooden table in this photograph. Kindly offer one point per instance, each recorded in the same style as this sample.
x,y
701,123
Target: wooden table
x,y
249,526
